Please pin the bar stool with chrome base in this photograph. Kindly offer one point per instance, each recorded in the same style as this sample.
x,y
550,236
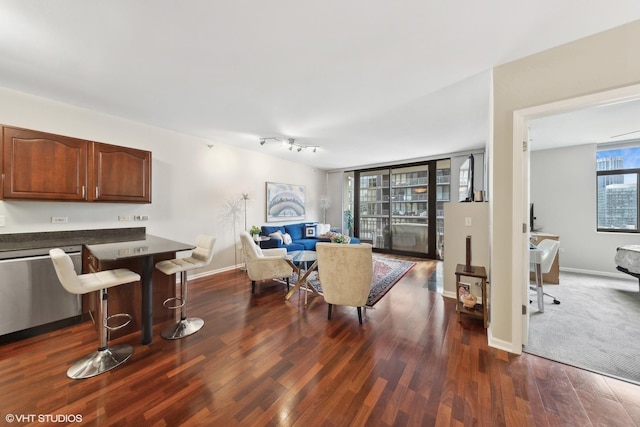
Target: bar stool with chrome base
x,y
201,256
105,358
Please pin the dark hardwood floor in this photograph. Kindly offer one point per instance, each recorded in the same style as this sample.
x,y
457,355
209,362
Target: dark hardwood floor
x,y
262,361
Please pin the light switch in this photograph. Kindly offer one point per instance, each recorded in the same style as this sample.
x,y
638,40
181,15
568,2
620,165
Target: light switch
x,y
467,221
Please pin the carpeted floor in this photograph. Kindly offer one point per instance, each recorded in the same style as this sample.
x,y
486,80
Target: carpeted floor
x,y
595,327
386,273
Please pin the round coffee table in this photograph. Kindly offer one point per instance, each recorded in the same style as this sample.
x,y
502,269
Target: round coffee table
x,y
302,257
297,259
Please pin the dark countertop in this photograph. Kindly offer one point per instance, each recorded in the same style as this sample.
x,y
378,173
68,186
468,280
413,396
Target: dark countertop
x,y
148,245
53,239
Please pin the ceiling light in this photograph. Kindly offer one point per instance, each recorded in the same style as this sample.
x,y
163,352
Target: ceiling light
x,y
289,143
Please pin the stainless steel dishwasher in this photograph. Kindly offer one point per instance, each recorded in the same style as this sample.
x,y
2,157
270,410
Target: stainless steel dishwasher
x,y
30,293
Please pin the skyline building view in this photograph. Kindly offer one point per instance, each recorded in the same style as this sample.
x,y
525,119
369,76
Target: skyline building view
x,y
618,193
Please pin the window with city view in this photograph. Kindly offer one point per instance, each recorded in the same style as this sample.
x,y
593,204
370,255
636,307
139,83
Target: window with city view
x,y
400,208
618,174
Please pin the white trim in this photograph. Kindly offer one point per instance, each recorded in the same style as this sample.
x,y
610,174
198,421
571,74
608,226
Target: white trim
x,y
518,336
622,276
501,344
449,294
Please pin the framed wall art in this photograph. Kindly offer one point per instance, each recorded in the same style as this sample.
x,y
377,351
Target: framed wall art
x,y
285,202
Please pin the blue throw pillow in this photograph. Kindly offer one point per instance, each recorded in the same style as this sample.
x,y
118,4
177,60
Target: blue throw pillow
x,y
310,230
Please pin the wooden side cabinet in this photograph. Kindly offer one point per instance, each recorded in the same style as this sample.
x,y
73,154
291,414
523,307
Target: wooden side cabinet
x,y
120,174
43,166
481,310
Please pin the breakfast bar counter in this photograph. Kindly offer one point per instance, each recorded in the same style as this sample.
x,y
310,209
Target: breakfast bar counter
x,y
103,249
143,250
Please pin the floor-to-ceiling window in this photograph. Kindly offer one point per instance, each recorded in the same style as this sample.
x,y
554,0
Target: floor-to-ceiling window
x,y
399,209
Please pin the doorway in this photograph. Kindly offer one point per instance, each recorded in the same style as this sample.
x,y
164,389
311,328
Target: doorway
x,y
521,168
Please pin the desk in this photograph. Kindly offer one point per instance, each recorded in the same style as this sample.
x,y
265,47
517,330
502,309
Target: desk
x,y
143,249
553,276
535,258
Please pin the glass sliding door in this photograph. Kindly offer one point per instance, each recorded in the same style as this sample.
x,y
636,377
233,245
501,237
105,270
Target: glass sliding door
x,y
409,230
443,186
373,209
400,209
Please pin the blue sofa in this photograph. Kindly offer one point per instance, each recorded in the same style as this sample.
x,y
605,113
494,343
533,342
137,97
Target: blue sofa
x,y
302,239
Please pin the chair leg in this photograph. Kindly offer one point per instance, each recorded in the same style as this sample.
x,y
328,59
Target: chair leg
x,y
287,284
187,325
105,358
360,315
329,317
253,286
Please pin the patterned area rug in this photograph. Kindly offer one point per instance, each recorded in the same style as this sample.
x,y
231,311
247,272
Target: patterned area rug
x,y
594,328
386,273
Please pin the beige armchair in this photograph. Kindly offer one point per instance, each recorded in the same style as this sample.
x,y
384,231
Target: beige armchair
x,y
264,264
345,273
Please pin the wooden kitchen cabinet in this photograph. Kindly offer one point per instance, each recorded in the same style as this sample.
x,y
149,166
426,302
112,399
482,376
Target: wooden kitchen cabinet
x,y
42,166
120,174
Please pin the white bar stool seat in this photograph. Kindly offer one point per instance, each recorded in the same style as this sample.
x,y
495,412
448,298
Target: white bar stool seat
x,y
105,358
200,257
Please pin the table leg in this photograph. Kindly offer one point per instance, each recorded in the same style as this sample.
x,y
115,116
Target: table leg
x,y
539,288
302,280
147,299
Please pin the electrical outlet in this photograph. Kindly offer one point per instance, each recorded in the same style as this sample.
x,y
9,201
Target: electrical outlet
x,y
124,218
59,219
467,221
140,218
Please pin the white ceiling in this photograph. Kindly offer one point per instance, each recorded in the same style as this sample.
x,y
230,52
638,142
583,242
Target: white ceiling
x,y
368,81
609,123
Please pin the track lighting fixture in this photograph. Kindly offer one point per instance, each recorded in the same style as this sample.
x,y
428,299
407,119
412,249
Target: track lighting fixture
x,y
290,143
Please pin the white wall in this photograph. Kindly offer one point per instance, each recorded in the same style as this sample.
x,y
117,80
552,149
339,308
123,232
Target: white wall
x,y
456,231
598,63
191,182
563,190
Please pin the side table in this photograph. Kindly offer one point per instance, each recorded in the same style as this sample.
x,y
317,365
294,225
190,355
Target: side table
x,y
480,311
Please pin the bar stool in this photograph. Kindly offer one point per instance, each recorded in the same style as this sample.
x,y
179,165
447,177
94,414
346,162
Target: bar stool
x,y
105,358
201,256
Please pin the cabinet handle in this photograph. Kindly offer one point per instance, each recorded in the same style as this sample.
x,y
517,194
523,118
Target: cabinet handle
x,y
83,195
97,192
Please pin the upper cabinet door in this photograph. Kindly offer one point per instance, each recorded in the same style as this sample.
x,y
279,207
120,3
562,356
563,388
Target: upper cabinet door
x,y
120,174
43,166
